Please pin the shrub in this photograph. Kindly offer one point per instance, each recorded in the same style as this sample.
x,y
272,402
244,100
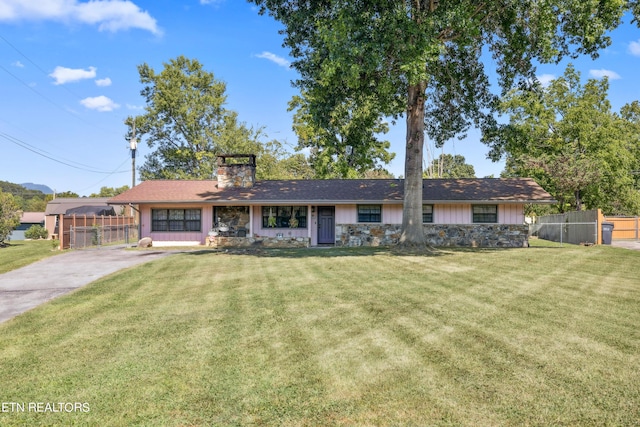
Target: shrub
x,y
36,232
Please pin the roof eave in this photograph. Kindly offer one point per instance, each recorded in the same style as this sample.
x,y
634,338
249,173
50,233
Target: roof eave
x,y
325,202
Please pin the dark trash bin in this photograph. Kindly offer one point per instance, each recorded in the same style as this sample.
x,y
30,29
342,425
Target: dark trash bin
x,y
607,232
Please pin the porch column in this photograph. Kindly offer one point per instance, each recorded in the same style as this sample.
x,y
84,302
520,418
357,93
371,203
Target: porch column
x,y
309,223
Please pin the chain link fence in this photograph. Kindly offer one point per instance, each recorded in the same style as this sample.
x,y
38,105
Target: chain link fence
x,y
576,233
99,235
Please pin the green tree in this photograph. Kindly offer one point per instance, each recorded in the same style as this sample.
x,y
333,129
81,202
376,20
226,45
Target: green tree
x,y
450,166
110,191
27,200
35,232
35,204
423,59
9,216
277,163
347,144
186,122
567,137
67,194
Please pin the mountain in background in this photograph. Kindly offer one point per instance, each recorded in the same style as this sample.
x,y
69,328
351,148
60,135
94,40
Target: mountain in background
x,y
38,187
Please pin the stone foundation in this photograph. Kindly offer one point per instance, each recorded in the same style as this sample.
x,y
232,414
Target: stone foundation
x,y
265,242
367,234
439,235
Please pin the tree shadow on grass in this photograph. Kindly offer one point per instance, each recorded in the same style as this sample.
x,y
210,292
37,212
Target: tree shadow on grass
x,y
331,252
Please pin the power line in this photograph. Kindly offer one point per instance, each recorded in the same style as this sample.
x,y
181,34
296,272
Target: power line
x,y
48,99
23,55
65,162
93,185
40,94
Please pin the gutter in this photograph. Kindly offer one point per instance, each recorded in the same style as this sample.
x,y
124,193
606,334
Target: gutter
x,y
330,202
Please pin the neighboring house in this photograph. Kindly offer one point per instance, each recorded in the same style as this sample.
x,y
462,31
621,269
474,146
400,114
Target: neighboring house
x,y
64,213
27,219
57,208
237,210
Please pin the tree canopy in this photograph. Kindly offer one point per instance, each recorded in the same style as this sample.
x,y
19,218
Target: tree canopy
x,y
346,147
9,216
450,166
567,137
186,122
27,200
424,59
110,191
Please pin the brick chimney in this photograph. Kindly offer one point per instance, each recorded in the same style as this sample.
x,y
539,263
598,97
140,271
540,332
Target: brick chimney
x,y
239,172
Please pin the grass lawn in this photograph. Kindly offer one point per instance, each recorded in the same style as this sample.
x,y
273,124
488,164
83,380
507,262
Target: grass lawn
x,y
538,336
24,252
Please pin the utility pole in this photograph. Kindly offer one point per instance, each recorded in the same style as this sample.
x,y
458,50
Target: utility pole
x,y
133,144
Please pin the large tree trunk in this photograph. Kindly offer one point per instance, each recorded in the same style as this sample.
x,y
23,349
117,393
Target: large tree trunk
x,y
412,231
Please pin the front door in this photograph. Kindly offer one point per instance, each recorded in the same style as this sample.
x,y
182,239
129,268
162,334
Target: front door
x,y
326,225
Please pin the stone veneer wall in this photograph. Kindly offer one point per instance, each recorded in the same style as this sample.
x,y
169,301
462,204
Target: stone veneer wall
x,y
472,235
236,175
265,242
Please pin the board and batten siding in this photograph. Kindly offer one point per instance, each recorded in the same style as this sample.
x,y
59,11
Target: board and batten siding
x,y
511,214
442,214
462,214
206,219
344,214
259,230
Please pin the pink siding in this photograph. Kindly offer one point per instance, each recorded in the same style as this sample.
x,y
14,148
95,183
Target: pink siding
x,y
442,214
346,214
511,214
392,214
461,214
257,229
206,218
452,214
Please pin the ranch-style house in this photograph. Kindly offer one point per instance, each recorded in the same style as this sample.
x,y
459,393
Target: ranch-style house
x,y
236,210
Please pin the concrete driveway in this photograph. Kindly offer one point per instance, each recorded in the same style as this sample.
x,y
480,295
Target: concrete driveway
x,y
30,286
627,244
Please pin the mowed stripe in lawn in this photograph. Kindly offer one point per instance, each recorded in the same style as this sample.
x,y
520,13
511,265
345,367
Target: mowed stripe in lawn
x,y
363,337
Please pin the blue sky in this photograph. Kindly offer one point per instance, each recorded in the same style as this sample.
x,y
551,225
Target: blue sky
x,y
68,79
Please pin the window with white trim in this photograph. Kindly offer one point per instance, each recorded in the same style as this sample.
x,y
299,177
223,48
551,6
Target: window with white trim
x,y
176,220
485,213
369,213
427,213
284,217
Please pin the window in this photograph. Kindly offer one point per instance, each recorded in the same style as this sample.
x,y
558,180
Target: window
x,y
485,213
280,216
369,213
235,217
427,213
175,220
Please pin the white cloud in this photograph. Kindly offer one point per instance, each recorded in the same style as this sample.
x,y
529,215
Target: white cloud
x,y
135,107
275,58
64,75
104,82
634,48
545,79
18,64
108,15
214,2
99,103
599,74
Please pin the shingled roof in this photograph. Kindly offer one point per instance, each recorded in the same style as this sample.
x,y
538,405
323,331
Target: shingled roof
x,y
337,191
